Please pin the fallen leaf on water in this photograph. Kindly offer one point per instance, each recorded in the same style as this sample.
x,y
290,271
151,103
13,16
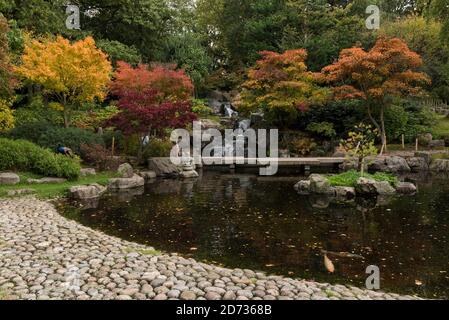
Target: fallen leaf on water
x,y
328,264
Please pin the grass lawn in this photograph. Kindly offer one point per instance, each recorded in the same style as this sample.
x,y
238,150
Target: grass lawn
x,y
48,191
349,179
442,127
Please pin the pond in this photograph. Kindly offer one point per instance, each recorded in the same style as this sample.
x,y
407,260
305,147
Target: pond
x,y
261,223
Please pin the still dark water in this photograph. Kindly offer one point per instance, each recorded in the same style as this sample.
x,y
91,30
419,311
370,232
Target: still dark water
x,y
261,223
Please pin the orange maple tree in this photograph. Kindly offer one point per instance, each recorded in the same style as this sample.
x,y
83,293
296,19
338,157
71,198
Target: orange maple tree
x,y
388,70
281,86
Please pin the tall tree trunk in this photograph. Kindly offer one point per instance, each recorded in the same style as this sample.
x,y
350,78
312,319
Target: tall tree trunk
x,y
381,126
382,132
370,116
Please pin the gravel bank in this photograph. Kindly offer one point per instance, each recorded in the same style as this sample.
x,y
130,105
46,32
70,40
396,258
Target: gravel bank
x,y
46,256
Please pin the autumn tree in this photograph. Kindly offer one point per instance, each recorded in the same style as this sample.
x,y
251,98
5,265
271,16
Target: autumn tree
x,y
376,76
151,100
168,83
72,73
280,85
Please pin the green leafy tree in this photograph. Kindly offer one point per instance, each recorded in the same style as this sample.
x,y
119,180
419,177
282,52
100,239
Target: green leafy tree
x,y
423,36
118,51
360,144
134,23
39,16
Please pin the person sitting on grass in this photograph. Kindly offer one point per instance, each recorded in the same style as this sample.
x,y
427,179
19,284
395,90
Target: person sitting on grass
x,y
64,151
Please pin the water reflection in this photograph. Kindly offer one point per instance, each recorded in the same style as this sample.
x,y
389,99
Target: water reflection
x,y
262,223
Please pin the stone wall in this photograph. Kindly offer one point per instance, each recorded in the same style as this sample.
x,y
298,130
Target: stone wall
x,y
419,162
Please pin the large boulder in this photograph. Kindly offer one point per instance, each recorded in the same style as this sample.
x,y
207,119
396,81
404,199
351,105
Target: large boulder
x,y
125,170
384,188
418,164
427,156
148,175
126,183
320,185
164,167
440,165
406,188
303,187
87,192
9,178
365,186
345,193
390,164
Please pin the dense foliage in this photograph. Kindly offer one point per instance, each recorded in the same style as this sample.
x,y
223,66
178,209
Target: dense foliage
x,y
23,155
51,137
72,73
281,86
6,117
376,76
167,57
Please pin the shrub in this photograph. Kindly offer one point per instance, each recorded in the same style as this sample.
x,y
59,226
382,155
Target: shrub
x,y
30,131
200,107
333,112
408,118
95,118
108,135
158,148
36,111
302,146
69,137
6,116
323,129
100,157
25,156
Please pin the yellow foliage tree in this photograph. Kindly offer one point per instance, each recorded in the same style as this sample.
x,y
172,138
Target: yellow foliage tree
x,y
6,116
73,73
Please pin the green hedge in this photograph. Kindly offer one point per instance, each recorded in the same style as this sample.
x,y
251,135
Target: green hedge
x,y
21,155
69,137
48,136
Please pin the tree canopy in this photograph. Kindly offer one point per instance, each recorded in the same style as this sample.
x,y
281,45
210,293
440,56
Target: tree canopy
x,y
72,73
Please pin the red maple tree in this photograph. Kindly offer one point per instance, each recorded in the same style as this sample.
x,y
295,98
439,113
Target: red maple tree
x,y
169,84
151,100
